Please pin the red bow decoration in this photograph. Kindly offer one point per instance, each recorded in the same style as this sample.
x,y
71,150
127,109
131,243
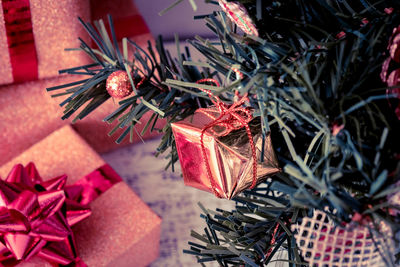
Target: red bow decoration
x,y
230,117
36,218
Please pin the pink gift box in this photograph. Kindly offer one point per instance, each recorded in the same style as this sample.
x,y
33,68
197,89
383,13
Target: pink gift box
x,y
27,111
28,114
46,27
122,230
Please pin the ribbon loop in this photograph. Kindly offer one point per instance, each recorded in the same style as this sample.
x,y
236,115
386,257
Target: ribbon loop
x,y
35,218
91,186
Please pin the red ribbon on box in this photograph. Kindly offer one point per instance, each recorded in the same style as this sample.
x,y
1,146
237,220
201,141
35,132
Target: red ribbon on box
x,y
21,42
93,185
36,216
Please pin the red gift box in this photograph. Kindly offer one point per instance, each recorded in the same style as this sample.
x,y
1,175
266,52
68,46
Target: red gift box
x,y
122,230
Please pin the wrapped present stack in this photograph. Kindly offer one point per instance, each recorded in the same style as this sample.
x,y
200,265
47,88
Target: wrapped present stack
x,y
121,230
33,37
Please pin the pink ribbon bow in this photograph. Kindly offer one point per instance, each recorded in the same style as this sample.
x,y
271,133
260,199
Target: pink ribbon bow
x,y
36,218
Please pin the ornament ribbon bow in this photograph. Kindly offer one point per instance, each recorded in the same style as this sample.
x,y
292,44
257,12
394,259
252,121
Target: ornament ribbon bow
x,y
231,117
36,216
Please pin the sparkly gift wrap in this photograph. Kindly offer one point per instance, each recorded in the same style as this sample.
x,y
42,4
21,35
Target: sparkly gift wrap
x,y
122,230
28,114
229,157
54,27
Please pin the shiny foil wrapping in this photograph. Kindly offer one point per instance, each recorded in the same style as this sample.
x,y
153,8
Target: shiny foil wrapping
x,y
230,157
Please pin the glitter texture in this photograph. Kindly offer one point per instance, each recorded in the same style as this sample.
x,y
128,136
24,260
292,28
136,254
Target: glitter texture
x,y
118,84
239,15
5,63
28,114
122,230
55,28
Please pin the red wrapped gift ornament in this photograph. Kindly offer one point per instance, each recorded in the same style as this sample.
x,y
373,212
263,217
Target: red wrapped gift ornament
x,y
220,148
36,218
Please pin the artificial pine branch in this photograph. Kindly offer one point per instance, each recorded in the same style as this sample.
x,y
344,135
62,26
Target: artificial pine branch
x,y
147,72
313,80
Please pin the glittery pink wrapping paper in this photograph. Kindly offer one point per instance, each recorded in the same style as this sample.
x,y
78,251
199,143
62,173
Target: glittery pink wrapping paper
x,y
55,27
28,114
122,230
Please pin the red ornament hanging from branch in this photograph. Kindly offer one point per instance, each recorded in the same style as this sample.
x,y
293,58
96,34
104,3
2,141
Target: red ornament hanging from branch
x,y
118,84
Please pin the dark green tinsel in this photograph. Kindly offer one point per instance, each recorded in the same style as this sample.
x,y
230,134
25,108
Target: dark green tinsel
x,y
313,80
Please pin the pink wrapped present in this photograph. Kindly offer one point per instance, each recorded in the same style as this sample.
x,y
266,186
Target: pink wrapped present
x,y
122,230
28,114
34,34
27,111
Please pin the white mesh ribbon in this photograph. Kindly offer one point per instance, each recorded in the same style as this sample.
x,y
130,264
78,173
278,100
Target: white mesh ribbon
x,y
394,199
322,244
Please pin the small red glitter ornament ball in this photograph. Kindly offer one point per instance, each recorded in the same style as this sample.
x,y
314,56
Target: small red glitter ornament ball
x,y
118,84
